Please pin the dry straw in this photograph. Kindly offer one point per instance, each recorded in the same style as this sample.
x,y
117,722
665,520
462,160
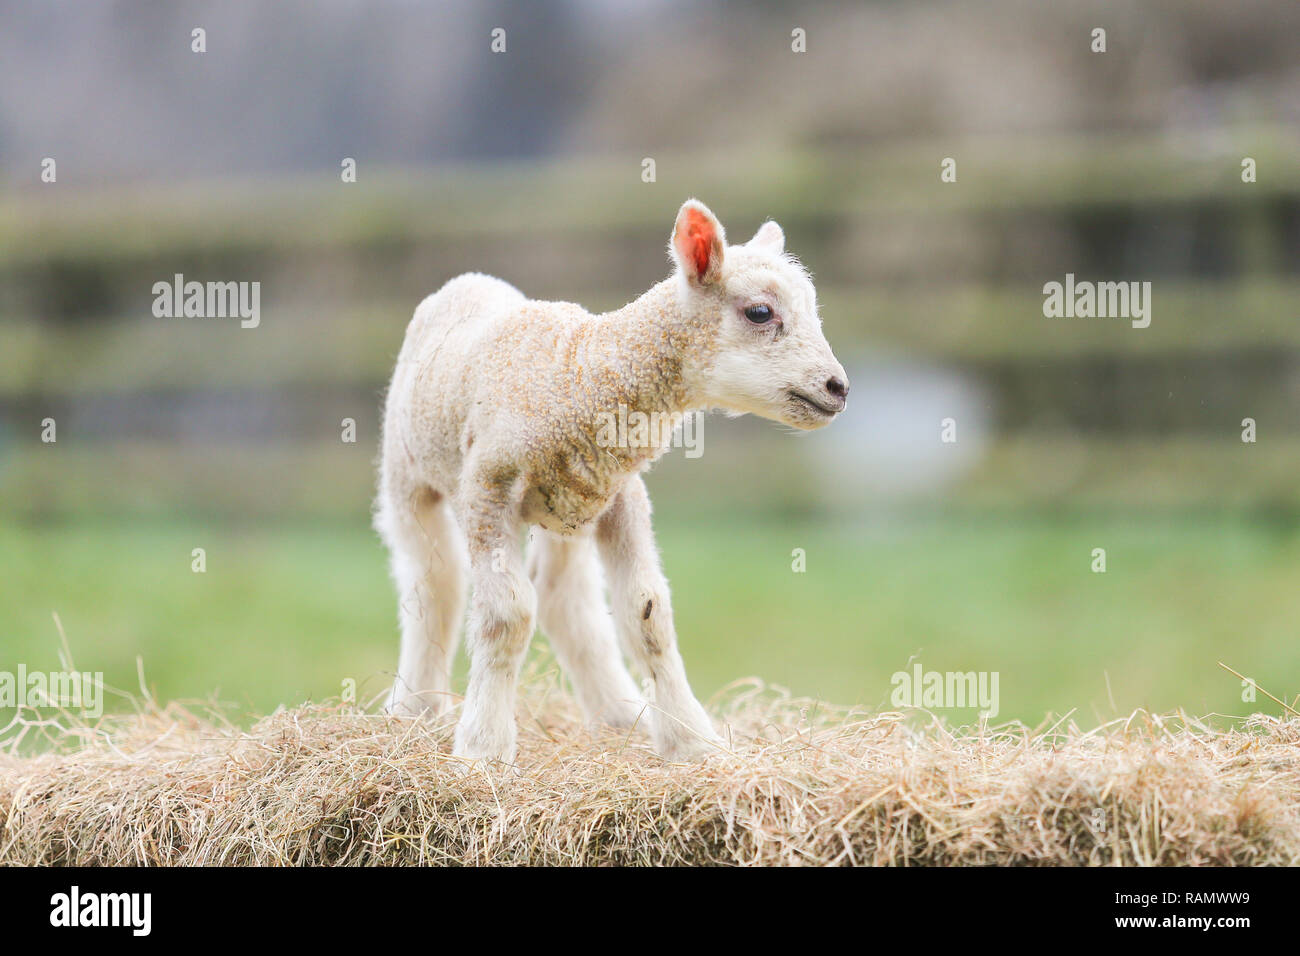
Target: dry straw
x,y
804,784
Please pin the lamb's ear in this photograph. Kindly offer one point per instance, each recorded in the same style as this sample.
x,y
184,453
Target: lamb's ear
x,y
698,243
769,238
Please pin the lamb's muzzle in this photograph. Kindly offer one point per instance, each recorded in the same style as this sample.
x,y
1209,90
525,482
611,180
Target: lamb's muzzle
x,y
491,426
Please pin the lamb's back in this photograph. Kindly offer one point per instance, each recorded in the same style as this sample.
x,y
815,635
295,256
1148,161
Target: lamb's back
x,y
482,365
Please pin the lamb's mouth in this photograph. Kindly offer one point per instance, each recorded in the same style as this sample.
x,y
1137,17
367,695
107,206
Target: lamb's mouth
x,y
816,407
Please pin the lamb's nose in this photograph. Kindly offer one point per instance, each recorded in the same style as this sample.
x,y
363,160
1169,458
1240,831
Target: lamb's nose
x,y
838,387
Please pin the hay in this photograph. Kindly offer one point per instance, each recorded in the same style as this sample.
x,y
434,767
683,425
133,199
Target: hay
x,y
328,785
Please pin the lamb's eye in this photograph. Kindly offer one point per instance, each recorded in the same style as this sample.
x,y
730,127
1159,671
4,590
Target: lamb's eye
x,y
758,314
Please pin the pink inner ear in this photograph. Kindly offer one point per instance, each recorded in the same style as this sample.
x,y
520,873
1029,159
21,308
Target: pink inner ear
x,y
698,241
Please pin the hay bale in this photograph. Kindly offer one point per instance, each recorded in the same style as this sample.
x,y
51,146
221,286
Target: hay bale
x,y
329,785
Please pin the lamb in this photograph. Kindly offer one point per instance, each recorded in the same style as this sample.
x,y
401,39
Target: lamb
x,y
491,427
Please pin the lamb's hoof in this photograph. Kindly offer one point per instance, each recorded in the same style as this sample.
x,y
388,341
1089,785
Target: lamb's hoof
x,y
416,707
484,749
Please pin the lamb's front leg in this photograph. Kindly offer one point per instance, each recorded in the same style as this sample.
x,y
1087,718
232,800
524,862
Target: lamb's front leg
x,y
644,616
502,610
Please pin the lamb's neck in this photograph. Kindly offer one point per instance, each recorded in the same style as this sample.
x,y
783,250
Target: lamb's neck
x,y
644,353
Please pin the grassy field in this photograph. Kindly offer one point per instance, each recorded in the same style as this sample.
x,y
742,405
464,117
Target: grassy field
x,y
288,612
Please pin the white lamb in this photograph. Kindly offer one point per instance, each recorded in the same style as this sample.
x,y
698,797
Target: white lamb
x,y
492,424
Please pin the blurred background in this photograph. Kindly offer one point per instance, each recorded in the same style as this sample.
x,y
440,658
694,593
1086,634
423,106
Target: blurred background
x,y
1072,434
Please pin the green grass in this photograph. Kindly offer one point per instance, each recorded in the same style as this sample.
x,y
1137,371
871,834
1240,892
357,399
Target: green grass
x,y
289,612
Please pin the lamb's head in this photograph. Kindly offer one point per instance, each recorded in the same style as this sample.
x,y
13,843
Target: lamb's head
x,y
768,356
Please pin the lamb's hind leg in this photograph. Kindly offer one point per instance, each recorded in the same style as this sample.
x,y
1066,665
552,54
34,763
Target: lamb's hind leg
x,y
428,561
502,611
565,572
